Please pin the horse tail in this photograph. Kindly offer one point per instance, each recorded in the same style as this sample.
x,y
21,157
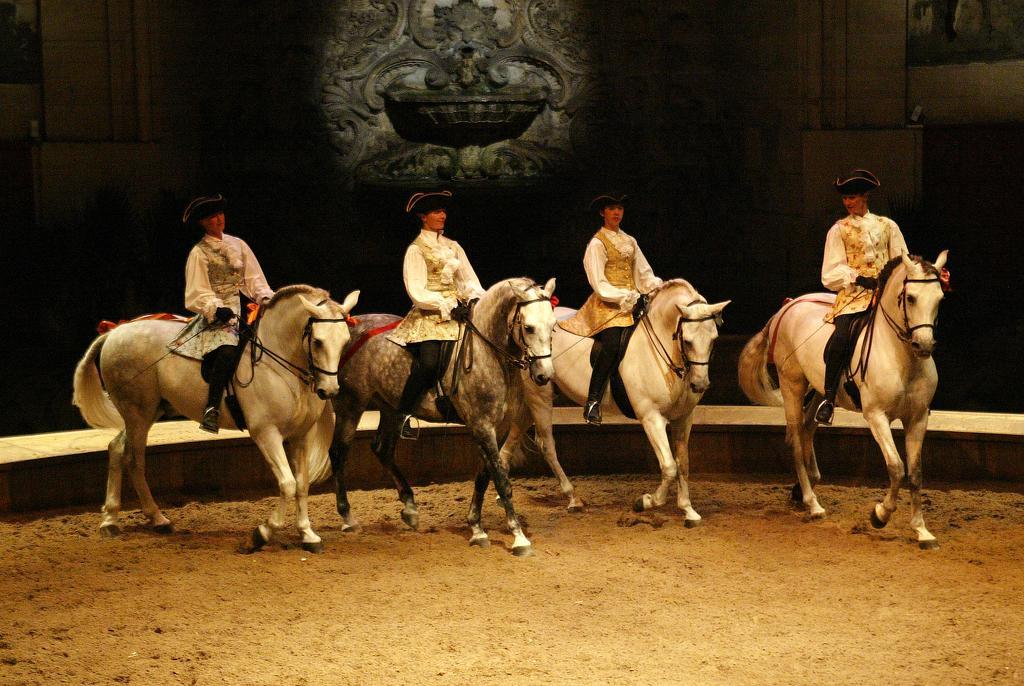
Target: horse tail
x,y
322,434
753,371
89,395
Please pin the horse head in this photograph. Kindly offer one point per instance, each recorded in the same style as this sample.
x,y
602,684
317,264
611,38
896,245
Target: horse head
x,y
911,304
679,310
531,326
321,327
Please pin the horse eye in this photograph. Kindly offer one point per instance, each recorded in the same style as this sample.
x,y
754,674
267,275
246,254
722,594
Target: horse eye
x,y
318,343
911,299
529,329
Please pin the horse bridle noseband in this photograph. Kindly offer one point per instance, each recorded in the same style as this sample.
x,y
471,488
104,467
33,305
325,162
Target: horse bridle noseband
x,y
680,371
906,333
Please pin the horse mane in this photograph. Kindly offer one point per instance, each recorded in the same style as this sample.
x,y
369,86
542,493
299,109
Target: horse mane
x,y
673,284
288,291
890,266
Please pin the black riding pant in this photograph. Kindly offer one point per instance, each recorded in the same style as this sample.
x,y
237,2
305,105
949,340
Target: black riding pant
x,y
839,350
426,360
610,354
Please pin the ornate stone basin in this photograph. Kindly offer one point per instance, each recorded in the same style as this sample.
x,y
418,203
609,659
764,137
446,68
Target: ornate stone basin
x,y
460,119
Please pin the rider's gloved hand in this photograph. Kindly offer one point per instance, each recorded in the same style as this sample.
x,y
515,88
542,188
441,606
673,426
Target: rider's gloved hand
x,y
869,282
461,313
629,301
640,308
224,314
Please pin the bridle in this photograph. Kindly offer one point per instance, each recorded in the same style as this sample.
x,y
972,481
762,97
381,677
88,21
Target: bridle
x,y
680,370
516,336
308,375
906,332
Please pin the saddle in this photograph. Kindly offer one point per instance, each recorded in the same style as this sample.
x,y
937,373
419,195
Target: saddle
x,y
619,394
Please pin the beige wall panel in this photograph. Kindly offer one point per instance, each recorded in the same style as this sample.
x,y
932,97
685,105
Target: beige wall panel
x,y
21,104
968,93
76,81
74,20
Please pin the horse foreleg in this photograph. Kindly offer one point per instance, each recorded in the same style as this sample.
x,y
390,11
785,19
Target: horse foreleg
x,y
135,443
879,425
656,428
384,449
914,431
270,444
485,438
539,401
801,442
112,503
347,418
681,437
311,541
479,536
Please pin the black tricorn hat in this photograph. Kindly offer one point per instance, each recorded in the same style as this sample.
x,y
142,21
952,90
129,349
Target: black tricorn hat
x,y
202,207
421,203
603,201
856,182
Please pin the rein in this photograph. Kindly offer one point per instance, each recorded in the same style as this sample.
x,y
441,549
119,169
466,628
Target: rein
x,y
663,353
308,375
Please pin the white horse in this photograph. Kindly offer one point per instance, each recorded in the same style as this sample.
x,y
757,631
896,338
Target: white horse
x,y
898,382
128,379
664,381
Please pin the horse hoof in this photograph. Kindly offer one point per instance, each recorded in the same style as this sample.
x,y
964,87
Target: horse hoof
x,y
411,519
796,494
522,550
928,545
692,523
164,529
255,542
481,542
638,506
316,547
875,521
575,508
110,531
349,528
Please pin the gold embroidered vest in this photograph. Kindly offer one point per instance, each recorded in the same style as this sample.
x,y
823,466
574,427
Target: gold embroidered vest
x,y
226,273
867,250
420,325
596,315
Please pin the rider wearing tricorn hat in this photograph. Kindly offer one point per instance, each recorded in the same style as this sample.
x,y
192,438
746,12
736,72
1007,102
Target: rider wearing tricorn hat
x,y
620,276
441,283
856,249
219,268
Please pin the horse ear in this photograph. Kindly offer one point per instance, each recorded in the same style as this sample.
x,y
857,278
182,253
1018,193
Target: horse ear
x,y
686,312
549,287
940,261
718,307
310,306
519,292
350,301
907,262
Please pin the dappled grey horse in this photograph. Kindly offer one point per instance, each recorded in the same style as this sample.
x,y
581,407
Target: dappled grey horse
x,y
511,327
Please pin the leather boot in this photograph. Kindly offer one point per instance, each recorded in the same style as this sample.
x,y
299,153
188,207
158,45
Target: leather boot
x,y
592,412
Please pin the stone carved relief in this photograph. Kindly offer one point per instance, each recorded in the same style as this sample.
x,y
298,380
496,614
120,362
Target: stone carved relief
x,y
421,91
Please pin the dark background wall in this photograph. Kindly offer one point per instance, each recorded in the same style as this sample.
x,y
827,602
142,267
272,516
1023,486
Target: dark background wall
x,y
724,121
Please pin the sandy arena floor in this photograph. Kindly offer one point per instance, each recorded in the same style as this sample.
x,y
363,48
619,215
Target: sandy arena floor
x,y
755,596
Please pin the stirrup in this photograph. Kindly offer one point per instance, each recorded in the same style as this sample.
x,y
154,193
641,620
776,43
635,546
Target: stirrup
x,y
211,420
823,415
592,412
405,429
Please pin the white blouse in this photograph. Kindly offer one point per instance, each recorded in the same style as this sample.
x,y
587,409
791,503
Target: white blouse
x,y
596,257
199,294
836,273
414,275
